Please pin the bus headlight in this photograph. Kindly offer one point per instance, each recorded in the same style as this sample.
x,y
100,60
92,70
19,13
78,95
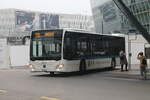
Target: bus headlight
x,y
31,66
60,66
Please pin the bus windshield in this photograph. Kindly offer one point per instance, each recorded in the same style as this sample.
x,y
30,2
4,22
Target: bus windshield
x,y
46,45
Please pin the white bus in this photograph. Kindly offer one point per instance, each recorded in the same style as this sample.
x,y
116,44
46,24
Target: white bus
x,y
62,50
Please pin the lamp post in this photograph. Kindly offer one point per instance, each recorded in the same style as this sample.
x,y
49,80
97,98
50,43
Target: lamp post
x,y
102,27
102,22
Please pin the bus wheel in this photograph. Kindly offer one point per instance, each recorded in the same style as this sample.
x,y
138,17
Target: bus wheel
x,y
82,66
113,64
51,73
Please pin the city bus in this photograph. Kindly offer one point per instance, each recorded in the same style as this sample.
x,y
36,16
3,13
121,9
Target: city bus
x,y
68,50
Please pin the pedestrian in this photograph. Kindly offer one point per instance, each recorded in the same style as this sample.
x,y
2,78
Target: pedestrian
x,y
143,64
123,61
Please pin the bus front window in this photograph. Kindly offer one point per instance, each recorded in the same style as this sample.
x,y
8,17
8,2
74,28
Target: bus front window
x,y
46,49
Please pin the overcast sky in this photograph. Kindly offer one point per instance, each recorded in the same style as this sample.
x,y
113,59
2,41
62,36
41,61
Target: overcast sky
x,y
52,6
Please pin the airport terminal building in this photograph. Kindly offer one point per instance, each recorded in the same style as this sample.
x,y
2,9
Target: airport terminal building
x,y
141,9
16,23
108,15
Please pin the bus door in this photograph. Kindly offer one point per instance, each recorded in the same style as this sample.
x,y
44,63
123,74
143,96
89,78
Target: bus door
x,y
81,44
85,50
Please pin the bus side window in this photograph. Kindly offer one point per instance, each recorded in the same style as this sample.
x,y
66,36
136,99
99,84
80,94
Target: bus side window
x,y
66,47
97,47
82,47
69,48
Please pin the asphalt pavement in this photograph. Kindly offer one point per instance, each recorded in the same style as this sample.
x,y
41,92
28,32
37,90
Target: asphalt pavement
x,y
19,84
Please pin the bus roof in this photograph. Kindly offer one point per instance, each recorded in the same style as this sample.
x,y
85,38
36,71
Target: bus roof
x,y
83,31
91,32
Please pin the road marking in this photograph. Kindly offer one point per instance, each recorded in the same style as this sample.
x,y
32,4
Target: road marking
x,y
47,98
127,73
3,91
123,79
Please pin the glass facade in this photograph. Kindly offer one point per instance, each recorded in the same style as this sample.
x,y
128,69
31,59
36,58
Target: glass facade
x,y
141,9
106,16
119,22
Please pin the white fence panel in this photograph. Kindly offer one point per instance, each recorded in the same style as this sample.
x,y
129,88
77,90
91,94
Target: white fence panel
x,y
19,55
4,54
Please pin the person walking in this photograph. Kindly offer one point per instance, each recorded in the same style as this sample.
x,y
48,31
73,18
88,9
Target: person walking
x,y
143,64
123,61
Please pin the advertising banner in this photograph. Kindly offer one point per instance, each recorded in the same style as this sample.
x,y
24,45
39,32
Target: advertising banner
x,y
49,21
24,21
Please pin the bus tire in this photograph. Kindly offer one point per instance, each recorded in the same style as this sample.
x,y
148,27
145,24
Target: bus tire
x,y
82,68
113,64
51,73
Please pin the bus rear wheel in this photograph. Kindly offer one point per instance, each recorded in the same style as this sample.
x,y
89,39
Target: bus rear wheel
x,y
82,66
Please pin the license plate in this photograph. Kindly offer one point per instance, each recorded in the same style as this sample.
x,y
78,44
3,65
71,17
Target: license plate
x,y
44,70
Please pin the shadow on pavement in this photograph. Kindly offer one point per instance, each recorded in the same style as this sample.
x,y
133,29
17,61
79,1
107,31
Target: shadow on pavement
x,y
73,74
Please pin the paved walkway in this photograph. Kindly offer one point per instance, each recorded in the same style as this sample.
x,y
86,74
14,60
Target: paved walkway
x,y
134,72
